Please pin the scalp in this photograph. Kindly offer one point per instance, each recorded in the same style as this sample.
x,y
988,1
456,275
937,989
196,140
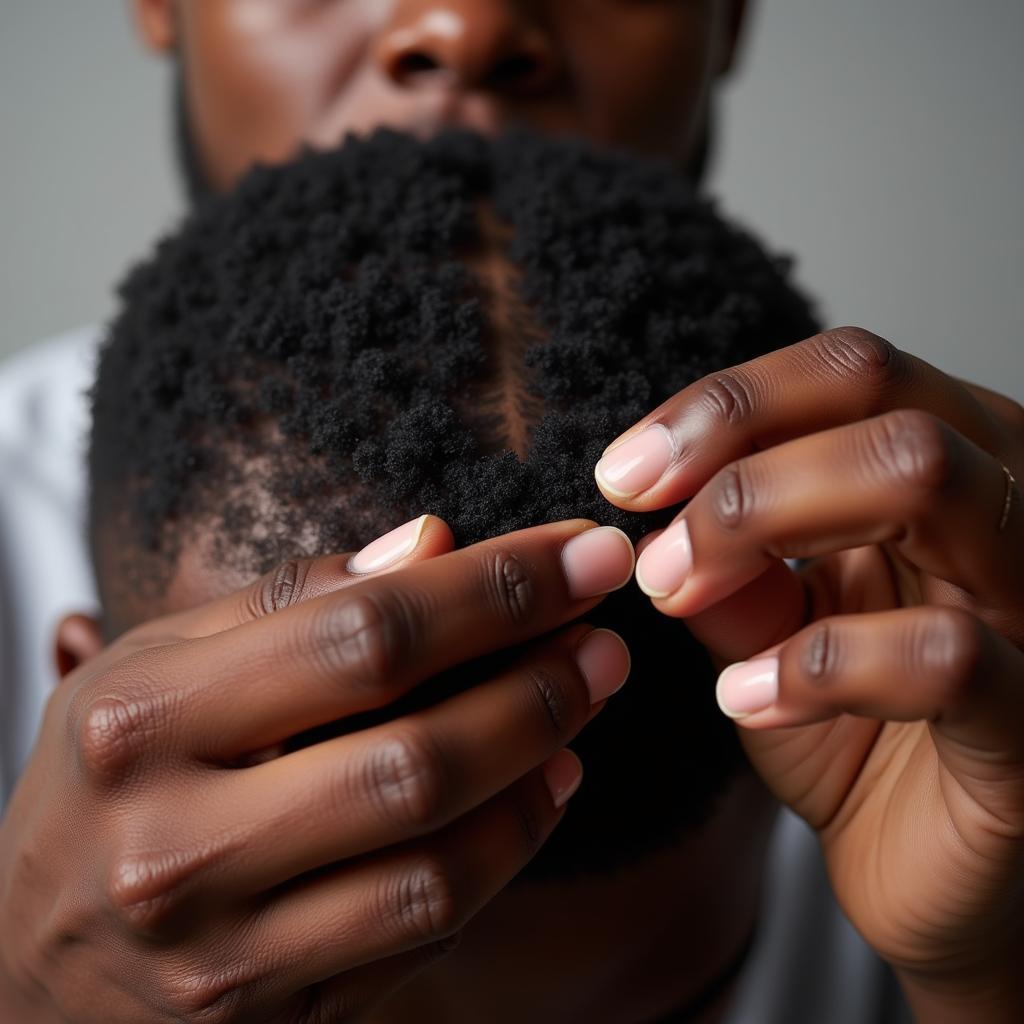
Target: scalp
x,y
456,327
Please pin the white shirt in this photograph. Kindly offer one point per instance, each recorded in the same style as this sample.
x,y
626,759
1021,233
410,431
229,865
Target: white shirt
x,y
808,965
44,565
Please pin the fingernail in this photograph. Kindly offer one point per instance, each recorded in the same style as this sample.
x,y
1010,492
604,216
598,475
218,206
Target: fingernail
x,y
637,463
387,550
562,773
603,658
665,563
748,687
646,540
597,562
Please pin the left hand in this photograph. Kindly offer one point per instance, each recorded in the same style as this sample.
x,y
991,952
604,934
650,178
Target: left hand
x,y
881,686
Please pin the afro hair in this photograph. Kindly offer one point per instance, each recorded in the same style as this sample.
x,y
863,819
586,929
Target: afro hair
x,y
328,351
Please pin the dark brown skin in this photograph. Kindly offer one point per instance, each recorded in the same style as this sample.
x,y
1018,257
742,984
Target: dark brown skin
x,y
265,75
114,847
897,729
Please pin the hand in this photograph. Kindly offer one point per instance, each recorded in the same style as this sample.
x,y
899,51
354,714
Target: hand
x,y
882,695
163,860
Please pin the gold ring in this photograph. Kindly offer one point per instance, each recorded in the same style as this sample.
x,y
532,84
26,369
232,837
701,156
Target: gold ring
x,y
1008,500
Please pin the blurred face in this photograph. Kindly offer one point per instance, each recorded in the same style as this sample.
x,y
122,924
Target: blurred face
x,y
265,76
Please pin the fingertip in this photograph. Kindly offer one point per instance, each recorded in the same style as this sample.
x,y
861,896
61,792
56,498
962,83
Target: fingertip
x,y
748,687
646,539
435,538
635,465
399,546
563,773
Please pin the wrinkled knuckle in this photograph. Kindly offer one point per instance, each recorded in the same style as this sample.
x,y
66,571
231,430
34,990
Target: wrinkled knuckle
x,y
550,701
510,589
113,734
529,820
857,354
915,449
407,778
364,641
199,995
731,496
143,889
424,902
952,651
279,589
729,397
820,656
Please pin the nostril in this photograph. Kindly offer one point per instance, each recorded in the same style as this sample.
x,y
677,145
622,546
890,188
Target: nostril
x,y
413,64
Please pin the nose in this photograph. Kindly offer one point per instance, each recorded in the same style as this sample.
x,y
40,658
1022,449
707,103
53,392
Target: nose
x,y
468,45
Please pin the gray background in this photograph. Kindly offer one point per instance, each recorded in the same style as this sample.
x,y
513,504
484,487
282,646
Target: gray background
x,y
881,141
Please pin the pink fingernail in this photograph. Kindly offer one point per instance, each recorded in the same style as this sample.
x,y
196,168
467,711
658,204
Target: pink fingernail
x,y
637,463
563,774
646,540
597,562
665,563
748,687
390,548
603,658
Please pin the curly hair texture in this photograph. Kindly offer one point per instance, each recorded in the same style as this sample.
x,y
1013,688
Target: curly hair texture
x,y
456,326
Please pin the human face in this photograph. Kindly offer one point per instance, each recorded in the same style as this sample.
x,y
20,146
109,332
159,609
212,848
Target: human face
x,y
263,77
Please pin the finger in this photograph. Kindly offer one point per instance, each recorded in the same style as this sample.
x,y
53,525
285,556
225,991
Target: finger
x,y
905,478
937,664
837,377
1005,409
364,647
763,612
646,539
352,995
412,896
302,579
406,778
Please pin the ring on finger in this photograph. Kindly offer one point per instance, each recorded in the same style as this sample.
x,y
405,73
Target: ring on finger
x,y
1008,499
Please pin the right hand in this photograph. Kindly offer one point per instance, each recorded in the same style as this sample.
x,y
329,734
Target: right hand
x,y
158,863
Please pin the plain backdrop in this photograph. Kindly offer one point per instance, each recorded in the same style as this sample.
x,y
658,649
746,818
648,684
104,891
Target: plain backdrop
x,y
879,141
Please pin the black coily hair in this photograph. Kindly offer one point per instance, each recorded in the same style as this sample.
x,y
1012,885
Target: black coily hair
x,y
321,355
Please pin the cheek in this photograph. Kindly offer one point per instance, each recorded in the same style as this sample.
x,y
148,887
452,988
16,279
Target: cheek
x,y
649,90
261,72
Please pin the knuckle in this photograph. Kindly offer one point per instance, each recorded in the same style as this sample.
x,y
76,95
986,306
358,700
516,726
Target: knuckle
x,y
144,888
857,353
364,640
509,587
529,820
731,496
278,589
197,995
549,700
424,902
113,734
408,779
820,654
728,396
916,449
950,648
